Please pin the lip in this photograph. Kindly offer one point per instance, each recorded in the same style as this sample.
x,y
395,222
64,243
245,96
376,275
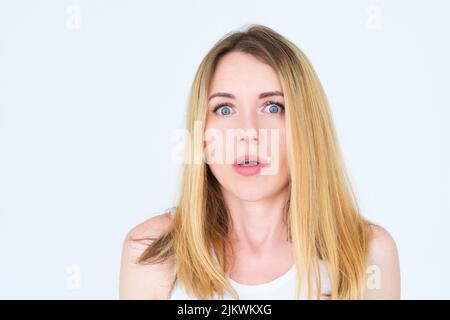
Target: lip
x,y
249,171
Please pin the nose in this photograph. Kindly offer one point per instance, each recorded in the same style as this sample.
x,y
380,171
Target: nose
x,y
248,126
246,137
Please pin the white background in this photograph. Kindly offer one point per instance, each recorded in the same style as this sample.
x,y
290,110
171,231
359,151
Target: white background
x,y
90,92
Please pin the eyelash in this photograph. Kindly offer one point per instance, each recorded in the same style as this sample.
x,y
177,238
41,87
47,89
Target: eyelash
x,y
267,103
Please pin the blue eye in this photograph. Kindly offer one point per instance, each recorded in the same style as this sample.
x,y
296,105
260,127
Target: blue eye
x,y
274,107
224,110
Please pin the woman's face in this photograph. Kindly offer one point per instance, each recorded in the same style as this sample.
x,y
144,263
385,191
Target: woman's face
x,y
246,121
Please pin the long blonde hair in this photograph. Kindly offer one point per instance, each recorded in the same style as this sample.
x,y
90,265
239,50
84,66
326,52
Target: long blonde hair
x,y
322,215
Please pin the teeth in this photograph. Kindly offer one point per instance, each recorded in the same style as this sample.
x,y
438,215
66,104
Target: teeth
x,y
249,163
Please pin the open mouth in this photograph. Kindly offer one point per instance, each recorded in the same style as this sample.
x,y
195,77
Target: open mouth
x,y
249,163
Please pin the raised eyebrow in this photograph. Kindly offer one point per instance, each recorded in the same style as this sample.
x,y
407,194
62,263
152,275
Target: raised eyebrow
x,y
222,94
261,95
271,94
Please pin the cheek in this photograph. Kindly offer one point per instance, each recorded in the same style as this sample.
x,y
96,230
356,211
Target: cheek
x,y
276,145
283,148
215,146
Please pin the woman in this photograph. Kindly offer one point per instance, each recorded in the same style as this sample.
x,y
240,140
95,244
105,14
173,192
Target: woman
x,y
278,220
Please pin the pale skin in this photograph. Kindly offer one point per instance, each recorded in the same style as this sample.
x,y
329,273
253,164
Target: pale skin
x,y
259,236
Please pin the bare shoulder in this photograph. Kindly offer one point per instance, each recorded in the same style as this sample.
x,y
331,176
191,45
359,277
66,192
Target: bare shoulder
x,y
152,227
382,244
383,273
145,281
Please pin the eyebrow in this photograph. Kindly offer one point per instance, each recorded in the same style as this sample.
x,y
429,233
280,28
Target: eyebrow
x,y
261,95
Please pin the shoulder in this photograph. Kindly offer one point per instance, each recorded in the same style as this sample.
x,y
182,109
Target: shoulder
x,y
381,243
144,281
383,272
152,227
143,234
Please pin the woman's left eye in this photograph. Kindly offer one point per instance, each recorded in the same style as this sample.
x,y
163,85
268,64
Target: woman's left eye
x,y
273,107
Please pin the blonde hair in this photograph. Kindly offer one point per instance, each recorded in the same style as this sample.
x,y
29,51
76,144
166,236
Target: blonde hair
x,y
322,215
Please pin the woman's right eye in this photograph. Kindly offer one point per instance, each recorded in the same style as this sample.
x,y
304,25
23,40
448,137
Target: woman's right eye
x,y
223,110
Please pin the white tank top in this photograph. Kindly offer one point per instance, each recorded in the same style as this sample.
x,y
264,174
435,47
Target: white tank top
x,y
281,288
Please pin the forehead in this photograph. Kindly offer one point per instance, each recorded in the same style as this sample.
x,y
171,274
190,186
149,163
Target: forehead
x,y
237,71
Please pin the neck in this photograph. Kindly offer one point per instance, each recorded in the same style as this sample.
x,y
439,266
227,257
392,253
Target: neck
x,y
258,226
